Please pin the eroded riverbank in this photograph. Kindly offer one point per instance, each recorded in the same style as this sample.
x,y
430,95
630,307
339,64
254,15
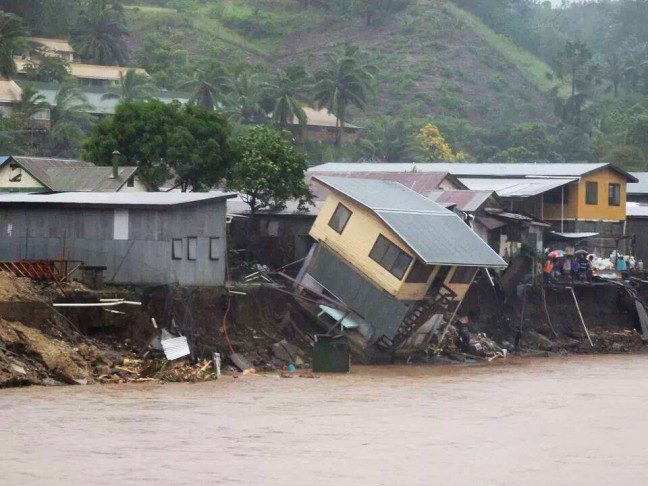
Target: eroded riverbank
x,y
552,421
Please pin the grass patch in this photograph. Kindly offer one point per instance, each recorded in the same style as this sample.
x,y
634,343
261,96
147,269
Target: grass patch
x,y
532,68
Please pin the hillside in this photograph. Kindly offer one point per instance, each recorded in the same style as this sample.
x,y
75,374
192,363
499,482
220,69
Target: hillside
x,y
434,59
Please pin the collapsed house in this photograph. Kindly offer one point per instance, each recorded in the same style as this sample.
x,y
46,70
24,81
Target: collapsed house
x,y
145,238
389,265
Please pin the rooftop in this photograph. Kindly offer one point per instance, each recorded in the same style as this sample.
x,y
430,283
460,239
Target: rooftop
x,y
87,71
115,199
641,186
320,118
54,45
10,92
424,183
62,175
464,200
516,187
437,236
478,169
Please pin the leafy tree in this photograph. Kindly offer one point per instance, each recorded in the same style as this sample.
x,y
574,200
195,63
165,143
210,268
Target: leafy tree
x,y
529,142
31,102
47,69
269,170
99,33
11,41
245,100
190,144
133,86
15,134
286,89
388,140
345,81
70,120
434,148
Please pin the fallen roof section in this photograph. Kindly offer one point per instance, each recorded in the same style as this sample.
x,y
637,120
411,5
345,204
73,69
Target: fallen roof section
x,y
437,236
115,199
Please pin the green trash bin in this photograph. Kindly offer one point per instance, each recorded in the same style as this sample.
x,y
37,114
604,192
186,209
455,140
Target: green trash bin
x,y
331,354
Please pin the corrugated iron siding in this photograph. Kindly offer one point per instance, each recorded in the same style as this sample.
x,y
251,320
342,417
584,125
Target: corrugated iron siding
x,y
374,305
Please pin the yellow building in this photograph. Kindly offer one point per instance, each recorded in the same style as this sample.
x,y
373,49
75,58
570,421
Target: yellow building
x,y
40,174
393,256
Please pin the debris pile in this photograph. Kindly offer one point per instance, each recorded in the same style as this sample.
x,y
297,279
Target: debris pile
x,y
616,341
140,370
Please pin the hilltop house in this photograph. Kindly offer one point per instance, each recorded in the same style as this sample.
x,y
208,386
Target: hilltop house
x,y
321,126
42,46
40,174
396,261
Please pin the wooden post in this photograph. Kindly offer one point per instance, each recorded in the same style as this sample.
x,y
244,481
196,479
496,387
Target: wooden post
x,y
581,316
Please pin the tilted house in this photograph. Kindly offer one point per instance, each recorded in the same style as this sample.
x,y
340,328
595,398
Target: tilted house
x,y
42,174
144,238
393,257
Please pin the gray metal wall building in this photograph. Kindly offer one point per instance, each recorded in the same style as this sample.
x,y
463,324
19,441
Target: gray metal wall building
x,y
131,234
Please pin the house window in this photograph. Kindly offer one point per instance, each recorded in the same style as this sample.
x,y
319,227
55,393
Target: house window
x,y
463,275
591,193
420,272
176,249
214,248
130,182
340,218
120,224
390,257
614,194
192,248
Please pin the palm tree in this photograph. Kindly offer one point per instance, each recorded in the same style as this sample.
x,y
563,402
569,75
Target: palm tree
x,y
98,36
246,96
613,70
31,102
71,120
387,140
133,86
12,36
345,81
286,89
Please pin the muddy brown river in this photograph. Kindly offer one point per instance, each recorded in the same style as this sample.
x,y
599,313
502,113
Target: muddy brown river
x,y
578,420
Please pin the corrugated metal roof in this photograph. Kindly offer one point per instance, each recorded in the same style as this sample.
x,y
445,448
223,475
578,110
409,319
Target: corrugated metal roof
x,y
10,92
442,239
640,187
475,170
54,45
238,206
377,194
421,182
115,198
100,105
175,348
635,210
518,187
436,235
467,201
69,175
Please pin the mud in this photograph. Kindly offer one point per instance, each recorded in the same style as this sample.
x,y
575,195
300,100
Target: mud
x,y
576,420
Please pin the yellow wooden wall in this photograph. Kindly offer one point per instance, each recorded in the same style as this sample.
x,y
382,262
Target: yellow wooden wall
x,y
576,207
26,183
356,241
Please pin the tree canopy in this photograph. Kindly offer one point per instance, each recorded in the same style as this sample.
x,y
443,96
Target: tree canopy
x,y
269,170
191,144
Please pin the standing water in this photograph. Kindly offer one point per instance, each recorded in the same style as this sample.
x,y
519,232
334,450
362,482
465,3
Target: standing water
x,y
577,420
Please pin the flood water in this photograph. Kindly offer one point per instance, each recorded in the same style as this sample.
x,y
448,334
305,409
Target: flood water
x,y
578,420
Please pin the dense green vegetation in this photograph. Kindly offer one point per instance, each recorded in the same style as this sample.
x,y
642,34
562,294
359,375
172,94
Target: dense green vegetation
x,y
504,80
